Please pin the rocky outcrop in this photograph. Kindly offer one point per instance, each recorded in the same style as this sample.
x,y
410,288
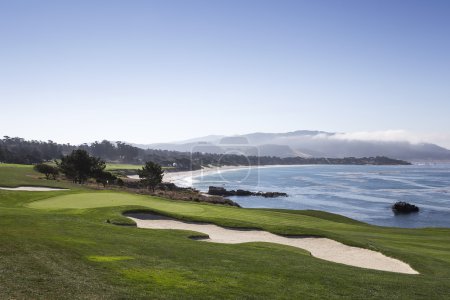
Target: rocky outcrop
x,y
220,191
404,208
270,194
174,192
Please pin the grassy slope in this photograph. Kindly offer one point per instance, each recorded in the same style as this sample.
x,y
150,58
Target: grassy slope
x,y
113,166
14,175
46,251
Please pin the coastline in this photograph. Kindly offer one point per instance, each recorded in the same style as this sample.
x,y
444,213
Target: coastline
x,y
185,178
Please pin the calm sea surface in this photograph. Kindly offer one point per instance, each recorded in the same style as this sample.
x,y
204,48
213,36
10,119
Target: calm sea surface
x,y
364,193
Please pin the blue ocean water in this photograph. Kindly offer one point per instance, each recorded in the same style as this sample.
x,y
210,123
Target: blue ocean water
x,y
364,193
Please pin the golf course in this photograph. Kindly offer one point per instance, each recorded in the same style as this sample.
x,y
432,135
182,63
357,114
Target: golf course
x,y
77,242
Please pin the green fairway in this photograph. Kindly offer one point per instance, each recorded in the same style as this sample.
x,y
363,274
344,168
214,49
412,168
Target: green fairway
x,y
192,210
113,166
13,175
60,244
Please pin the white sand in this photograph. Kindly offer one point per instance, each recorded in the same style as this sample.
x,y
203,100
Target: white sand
x,y
32,189
185,178
322,248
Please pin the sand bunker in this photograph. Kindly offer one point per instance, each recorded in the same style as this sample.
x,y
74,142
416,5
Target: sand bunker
x,y
318,247
32,189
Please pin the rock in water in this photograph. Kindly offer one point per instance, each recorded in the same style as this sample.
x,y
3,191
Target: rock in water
x,y
220,191
404,208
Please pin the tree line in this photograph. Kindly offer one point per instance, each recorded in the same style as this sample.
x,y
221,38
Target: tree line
x,y
18,150
21,151
79,167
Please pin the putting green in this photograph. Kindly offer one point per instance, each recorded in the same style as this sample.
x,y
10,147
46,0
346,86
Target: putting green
x,y
109,199
253,217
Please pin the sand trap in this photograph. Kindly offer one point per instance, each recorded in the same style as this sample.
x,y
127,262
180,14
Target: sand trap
x,y
32,189
318,247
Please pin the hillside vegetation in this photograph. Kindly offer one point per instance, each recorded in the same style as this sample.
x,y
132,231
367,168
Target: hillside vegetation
x,y
17,150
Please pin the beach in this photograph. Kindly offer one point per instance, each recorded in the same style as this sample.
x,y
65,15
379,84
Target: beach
x,y
184,178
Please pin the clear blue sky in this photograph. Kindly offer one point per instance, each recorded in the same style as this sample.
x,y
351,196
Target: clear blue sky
x,y
153,71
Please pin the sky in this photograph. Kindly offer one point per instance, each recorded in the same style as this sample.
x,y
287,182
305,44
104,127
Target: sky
x,y
160,71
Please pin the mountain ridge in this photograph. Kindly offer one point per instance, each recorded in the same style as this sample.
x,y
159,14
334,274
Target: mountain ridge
x,y
305,143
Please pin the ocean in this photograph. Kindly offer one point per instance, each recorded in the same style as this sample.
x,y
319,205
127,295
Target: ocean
x,y
364,193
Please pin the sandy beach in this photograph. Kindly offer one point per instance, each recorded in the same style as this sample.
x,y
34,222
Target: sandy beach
x,y
322,248
184,178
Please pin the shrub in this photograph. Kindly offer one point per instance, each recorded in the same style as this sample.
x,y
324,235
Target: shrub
x,y
47,170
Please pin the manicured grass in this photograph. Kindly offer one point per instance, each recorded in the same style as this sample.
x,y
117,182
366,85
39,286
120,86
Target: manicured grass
x,y
194,211
100,258
14,175
54,246
278,221
113,166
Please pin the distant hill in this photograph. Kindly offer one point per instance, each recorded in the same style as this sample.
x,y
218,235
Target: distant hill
x,y
21,151
305,143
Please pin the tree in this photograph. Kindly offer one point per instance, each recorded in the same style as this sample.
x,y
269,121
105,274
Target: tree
x,y
127,153
47,170
2,154
79,166
104,177
151,175
104,149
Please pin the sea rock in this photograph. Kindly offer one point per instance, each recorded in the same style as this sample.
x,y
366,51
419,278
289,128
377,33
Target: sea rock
x,y
243,193
402,207
220,191
271,194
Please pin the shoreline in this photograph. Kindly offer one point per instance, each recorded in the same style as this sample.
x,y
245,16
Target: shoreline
x,y
185,178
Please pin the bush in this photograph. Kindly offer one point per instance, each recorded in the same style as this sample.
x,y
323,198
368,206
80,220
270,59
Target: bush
x,y
120,182
47,170
104,177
